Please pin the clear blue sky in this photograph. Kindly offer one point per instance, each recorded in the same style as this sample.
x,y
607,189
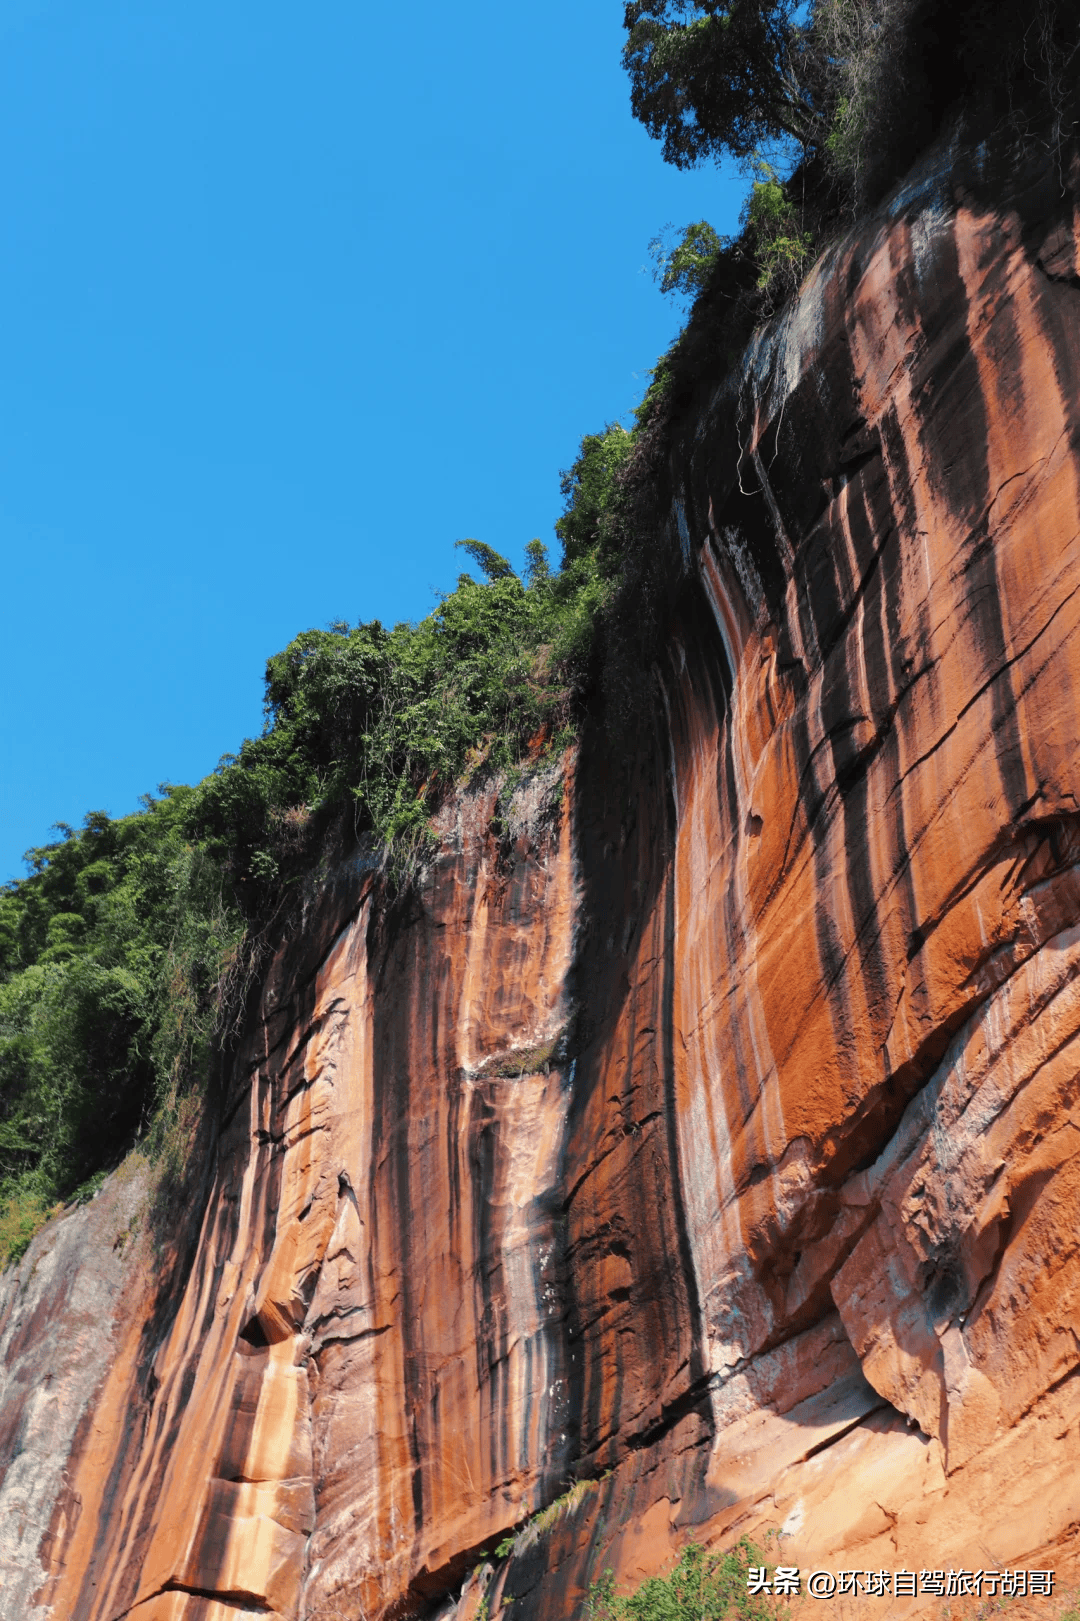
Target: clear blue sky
x,y
293,297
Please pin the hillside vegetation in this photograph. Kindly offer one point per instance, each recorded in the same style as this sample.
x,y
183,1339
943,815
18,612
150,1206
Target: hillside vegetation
x,y
128,952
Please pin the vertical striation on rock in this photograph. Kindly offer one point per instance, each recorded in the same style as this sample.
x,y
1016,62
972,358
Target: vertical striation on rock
x,y
363,1382
716,1127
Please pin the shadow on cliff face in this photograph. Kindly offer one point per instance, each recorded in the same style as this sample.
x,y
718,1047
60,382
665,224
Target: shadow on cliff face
x,y
817,503
635,1352
821,504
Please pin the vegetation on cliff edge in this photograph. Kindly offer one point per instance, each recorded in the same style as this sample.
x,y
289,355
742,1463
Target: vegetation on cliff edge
x,y
826,105
127,952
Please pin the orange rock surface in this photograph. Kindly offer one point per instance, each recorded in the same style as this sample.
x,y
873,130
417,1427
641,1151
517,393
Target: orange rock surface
x,y
718,1127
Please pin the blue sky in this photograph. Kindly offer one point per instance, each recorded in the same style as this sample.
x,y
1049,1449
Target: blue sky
x,y
293,297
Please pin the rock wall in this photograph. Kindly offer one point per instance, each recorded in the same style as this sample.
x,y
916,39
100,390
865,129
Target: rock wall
x,y
709,1139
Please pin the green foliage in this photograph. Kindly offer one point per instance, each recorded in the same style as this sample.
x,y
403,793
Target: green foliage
x,y
742,77
700,1587
684,269
745,78
21,1217
381,723
776,243
116,958
767,83
591,488
538,564
715,76
487,559
848,89
539,1523
773,247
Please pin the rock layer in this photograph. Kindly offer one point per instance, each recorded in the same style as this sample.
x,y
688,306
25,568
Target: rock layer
x,y
714,1127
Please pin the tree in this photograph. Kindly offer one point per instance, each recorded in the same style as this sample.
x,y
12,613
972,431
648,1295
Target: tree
x,y
715,76
486,558
590,488
685,268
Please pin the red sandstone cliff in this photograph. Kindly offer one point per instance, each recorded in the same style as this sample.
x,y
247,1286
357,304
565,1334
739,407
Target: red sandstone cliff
x,y
720,1130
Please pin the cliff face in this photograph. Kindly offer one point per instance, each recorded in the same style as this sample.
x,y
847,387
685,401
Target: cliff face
x,y
716,1127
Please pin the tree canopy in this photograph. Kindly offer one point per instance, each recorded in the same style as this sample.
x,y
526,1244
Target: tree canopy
x,y
709,76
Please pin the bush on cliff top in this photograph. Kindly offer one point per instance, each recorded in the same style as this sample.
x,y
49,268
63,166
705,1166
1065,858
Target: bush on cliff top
x,y
127,952
377,724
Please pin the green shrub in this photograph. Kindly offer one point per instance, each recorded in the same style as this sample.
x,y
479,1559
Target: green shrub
x,y
20,1218
591,489
684,268
779,246
700,1587
377,725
